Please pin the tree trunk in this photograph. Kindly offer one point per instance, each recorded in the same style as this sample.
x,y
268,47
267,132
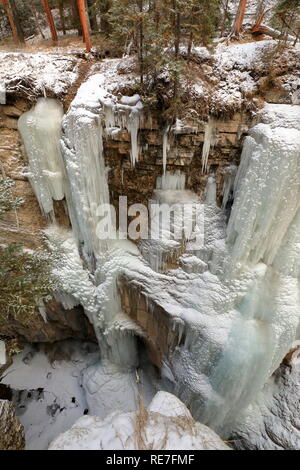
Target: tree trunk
x,y
225,17
239,18
50,20
177,27
92,15
263,29
62,16
141,42
76,18
10,15
84,24
17,20
177,37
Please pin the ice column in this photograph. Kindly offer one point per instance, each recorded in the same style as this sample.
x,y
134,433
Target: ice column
x,y
89,194
40,129
267,190
209,141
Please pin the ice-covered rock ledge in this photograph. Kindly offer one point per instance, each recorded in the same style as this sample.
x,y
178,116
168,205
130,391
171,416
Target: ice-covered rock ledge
x,y
165,425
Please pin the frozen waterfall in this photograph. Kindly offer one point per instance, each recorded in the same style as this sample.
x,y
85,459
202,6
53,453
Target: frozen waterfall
x,y
236,298
40,129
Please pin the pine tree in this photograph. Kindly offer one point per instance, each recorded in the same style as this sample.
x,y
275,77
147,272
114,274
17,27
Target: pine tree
x,y
25,277
287,17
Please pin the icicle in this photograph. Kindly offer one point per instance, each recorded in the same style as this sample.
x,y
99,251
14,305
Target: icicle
x,y
209,141
166,148
40,129
133,125
211,191
2,353
171,180
127,114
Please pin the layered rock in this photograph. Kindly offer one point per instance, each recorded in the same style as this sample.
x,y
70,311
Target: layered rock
x,y
11,431
58,324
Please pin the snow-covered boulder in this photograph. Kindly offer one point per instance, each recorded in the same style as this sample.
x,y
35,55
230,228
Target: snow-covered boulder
x,y
166,424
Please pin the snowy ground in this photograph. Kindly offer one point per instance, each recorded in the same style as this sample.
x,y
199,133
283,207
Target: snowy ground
x,y
38,71
166,424
49,398
52,390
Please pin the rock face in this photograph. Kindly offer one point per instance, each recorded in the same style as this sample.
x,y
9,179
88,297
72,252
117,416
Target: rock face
x,y
185,154
11,431
166,425
272,422
161,333
61,324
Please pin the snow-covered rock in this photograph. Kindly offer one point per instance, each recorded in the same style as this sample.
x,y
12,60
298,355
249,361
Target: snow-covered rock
x,y
166,425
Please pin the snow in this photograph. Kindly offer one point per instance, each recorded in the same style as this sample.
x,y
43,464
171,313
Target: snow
x,y
168,425
38,72
49,397
110,387
243,56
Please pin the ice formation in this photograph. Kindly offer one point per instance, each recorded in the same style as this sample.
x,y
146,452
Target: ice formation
x,y
166,148
40,129
234,301
171,180
266,185
209,141
127,114
2,353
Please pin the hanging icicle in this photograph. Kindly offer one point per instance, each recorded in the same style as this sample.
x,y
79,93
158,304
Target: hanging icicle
x,y
166,148
209,141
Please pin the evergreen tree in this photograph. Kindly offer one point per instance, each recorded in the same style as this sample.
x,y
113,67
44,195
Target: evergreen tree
x,y
25,277
158,30
287,17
